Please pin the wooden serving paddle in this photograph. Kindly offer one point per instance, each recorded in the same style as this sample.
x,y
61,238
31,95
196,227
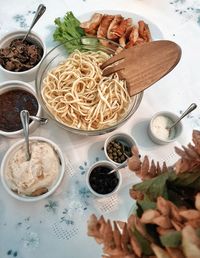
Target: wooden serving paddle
x,y
143,65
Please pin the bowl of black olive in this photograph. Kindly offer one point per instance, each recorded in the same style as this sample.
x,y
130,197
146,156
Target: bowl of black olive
x,y
20,59
117,147
102,183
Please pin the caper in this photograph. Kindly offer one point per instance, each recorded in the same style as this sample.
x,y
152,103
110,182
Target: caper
x,y
110,156
119,153
114,154
123,157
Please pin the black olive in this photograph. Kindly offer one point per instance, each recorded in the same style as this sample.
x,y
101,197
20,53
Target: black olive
x,y
101,181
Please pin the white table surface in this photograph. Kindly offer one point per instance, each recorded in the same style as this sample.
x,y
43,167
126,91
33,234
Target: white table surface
x,y
57,226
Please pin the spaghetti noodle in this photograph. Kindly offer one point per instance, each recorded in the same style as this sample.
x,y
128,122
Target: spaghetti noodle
x,y
77,94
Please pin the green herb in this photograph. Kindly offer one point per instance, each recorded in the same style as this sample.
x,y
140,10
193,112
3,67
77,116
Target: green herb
x,y
180,189
68,31
144,205
171,239
154,187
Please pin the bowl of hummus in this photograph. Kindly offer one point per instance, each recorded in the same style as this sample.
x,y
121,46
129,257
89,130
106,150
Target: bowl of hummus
x,y
37,178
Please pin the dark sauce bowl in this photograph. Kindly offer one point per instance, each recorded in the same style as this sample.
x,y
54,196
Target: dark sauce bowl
x,y
99,182
11,105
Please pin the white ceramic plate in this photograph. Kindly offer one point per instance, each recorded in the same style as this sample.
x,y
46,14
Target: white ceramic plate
x,y
154,29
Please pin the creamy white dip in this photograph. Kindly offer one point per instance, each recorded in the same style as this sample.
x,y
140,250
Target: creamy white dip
x,y
159,128
41,170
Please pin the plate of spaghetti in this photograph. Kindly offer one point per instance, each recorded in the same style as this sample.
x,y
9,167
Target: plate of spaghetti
x,y
72,90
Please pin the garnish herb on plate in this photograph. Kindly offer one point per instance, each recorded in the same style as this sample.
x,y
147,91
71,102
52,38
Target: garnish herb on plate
x,y
68,31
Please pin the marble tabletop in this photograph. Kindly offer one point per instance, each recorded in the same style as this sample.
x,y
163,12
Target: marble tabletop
x,y
57,226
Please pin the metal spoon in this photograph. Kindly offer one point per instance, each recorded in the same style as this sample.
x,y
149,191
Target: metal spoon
x,y
187,111
24,115
41,120
41,9
123,165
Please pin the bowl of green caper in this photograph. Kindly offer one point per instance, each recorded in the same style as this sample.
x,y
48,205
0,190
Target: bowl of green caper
x,y
117,147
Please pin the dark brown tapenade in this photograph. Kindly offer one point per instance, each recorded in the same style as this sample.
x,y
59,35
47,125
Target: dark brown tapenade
x,y
11,104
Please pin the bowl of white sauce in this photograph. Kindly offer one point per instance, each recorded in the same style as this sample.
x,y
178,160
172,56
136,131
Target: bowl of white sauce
x,y
158,128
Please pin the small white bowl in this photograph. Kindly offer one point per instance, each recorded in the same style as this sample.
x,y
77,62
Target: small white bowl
x,y
157,128
30,74
107,164
122,137
14,85
8,156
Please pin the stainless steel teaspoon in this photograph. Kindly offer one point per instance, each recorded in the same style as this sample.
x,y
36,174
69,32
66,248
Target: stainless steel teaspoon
x,y
187,111
24,115
41,9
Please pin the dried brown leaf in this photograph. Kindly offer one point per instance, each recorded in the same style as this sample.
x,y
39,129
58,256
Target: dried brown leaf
x,y
152,170
197,201
163,221
194,223
117,236
175,253
108,234
175,213
135,246
144,168
149,215
190,214
159,252
190,243
158,168
163,206
125,239
136,195
177,225
142,230
181,153
164,167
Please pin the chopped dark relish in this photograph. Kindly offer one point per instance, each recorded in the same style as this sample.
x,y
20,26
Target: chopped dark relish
x,y
20,55
11,104
102,182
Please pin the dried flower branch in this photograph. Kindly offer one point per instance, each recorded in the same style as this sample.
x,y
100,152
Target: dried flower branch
x,y
174,227
190,156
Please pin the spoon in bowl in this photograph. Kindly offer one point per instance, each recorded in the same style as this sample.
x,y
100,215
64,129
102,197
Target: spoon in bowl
x,y
41,120
187,111
24,116
40,10
122,165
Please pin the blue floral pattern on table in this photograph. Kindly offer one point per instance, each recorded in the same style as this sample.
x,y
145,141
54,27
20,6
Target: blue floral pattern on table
x,y
12,253
31,240
21,19
188,9
51,206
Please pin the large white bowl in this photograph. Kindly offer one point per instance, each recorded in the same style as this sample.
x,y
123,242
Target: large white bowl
x,y
30,74
55,184
13,85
